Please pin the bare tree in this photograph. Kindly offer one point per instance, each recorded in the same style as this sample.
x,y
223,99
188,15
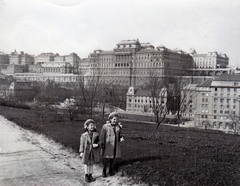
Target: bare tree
x,y
177,95
158,92
90,90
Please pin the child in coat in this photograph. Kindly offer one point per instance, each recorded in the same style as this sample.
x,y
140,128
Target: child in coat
x,y
89,148
110,137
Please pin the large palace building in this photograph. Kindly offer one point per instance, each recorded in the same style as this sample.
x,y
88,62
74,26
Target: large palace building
x,y
131,61
210,64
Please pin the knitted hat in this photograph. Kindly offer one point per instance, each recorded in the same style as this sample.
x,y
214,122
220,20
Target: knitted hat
x,y
87,122
112,114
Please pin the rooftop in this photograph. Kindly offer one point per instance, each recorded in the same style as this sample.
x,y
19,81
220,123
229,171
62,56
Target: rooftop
x,y
206,83
228,77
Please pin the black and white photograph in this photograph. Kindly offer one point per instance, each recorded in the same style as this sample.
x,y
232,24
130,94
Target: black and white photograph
x,y
119,93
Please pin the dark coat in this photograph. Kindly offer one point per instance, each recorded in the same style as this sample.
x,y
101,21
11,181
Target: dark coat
x,y
107,140
86,146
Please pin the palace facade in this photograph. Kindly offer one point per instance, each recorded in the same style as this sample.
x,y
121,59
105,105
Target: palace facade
x,y
210,64
131,62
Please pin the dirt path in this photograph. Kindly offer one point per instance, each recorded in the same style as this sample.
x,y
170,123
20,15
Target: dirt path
x,y
30,159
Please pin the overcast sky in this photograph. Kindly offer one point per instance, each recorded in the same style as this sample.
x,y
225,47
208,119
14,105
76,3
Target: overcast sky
x,y
81,26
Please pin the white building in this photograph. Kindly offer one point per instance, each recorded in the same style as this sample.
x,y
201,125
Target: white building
x,y
140,101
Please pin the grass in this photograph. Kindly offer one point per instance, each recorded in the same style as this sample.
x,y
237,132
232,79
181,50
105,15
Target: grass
x,y
168,156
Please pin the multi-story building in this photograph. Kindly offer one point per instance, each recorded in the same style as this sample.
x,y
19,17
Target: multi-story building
x,y
189,102
44,58
131,62
20,59
57,67
54,62
72,59
218,102
12,69
210,64
47,76
35,69
4,58
141,102
84,66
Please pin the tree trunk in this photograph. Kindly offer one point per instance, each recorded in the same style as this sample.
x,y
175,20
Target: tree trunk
x,y
103,110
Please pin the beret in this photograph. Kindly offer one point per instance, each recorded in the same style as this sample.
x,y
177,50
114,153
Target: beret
x,y
87,122
112,114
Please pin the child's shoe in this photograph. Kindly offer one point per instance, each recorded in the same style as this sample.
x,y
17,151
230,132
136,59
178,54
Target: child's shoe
x,y
91,178
87,179
111,173
104,173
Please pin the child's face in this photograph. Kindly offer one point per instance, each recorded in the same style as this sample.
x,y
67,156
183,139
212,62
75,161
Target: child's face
x,y
114,120
91,127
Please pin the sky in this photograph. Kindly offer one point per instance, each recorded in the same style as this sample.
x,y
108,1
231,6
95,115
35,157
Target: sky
x,y
81,26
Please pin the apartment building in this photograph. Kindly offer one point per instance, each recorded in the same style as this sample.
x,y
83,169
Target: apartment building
x,y
218,102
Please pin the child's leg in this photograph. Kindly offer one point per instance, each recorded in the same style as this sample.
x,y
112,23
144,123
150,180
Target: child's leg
x,y
86,169
111,161
90,173
90,170
105,162
105,165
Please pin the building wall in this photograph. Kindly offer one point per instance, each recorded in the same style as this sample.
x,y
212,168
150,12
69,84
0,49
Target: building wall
x,y
45,76
14,58
139,102
12,69
210,60
20,59
130,62
35,69
218,104
57,67
4,58
44,58
189,92
84,66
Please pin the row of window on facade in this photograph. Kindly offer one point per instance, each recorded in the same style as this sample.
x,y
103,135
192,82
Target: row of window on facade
x,y
203,67
148,100
228,89
226,100
121,64
204,59
220,125
124,57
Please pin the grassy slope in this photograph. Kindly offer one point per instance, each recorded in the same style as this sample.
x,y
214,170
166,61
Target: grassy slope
x,y
169,156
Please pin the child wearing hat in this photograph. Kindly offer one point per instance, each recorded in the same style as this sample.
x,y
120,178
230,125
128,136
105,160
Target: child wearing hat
x,y
110,138
89,148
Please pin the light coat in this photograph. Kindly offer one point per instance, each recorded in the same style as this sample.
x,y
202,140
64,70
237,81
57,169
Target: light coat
x,y
86,146
107,139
